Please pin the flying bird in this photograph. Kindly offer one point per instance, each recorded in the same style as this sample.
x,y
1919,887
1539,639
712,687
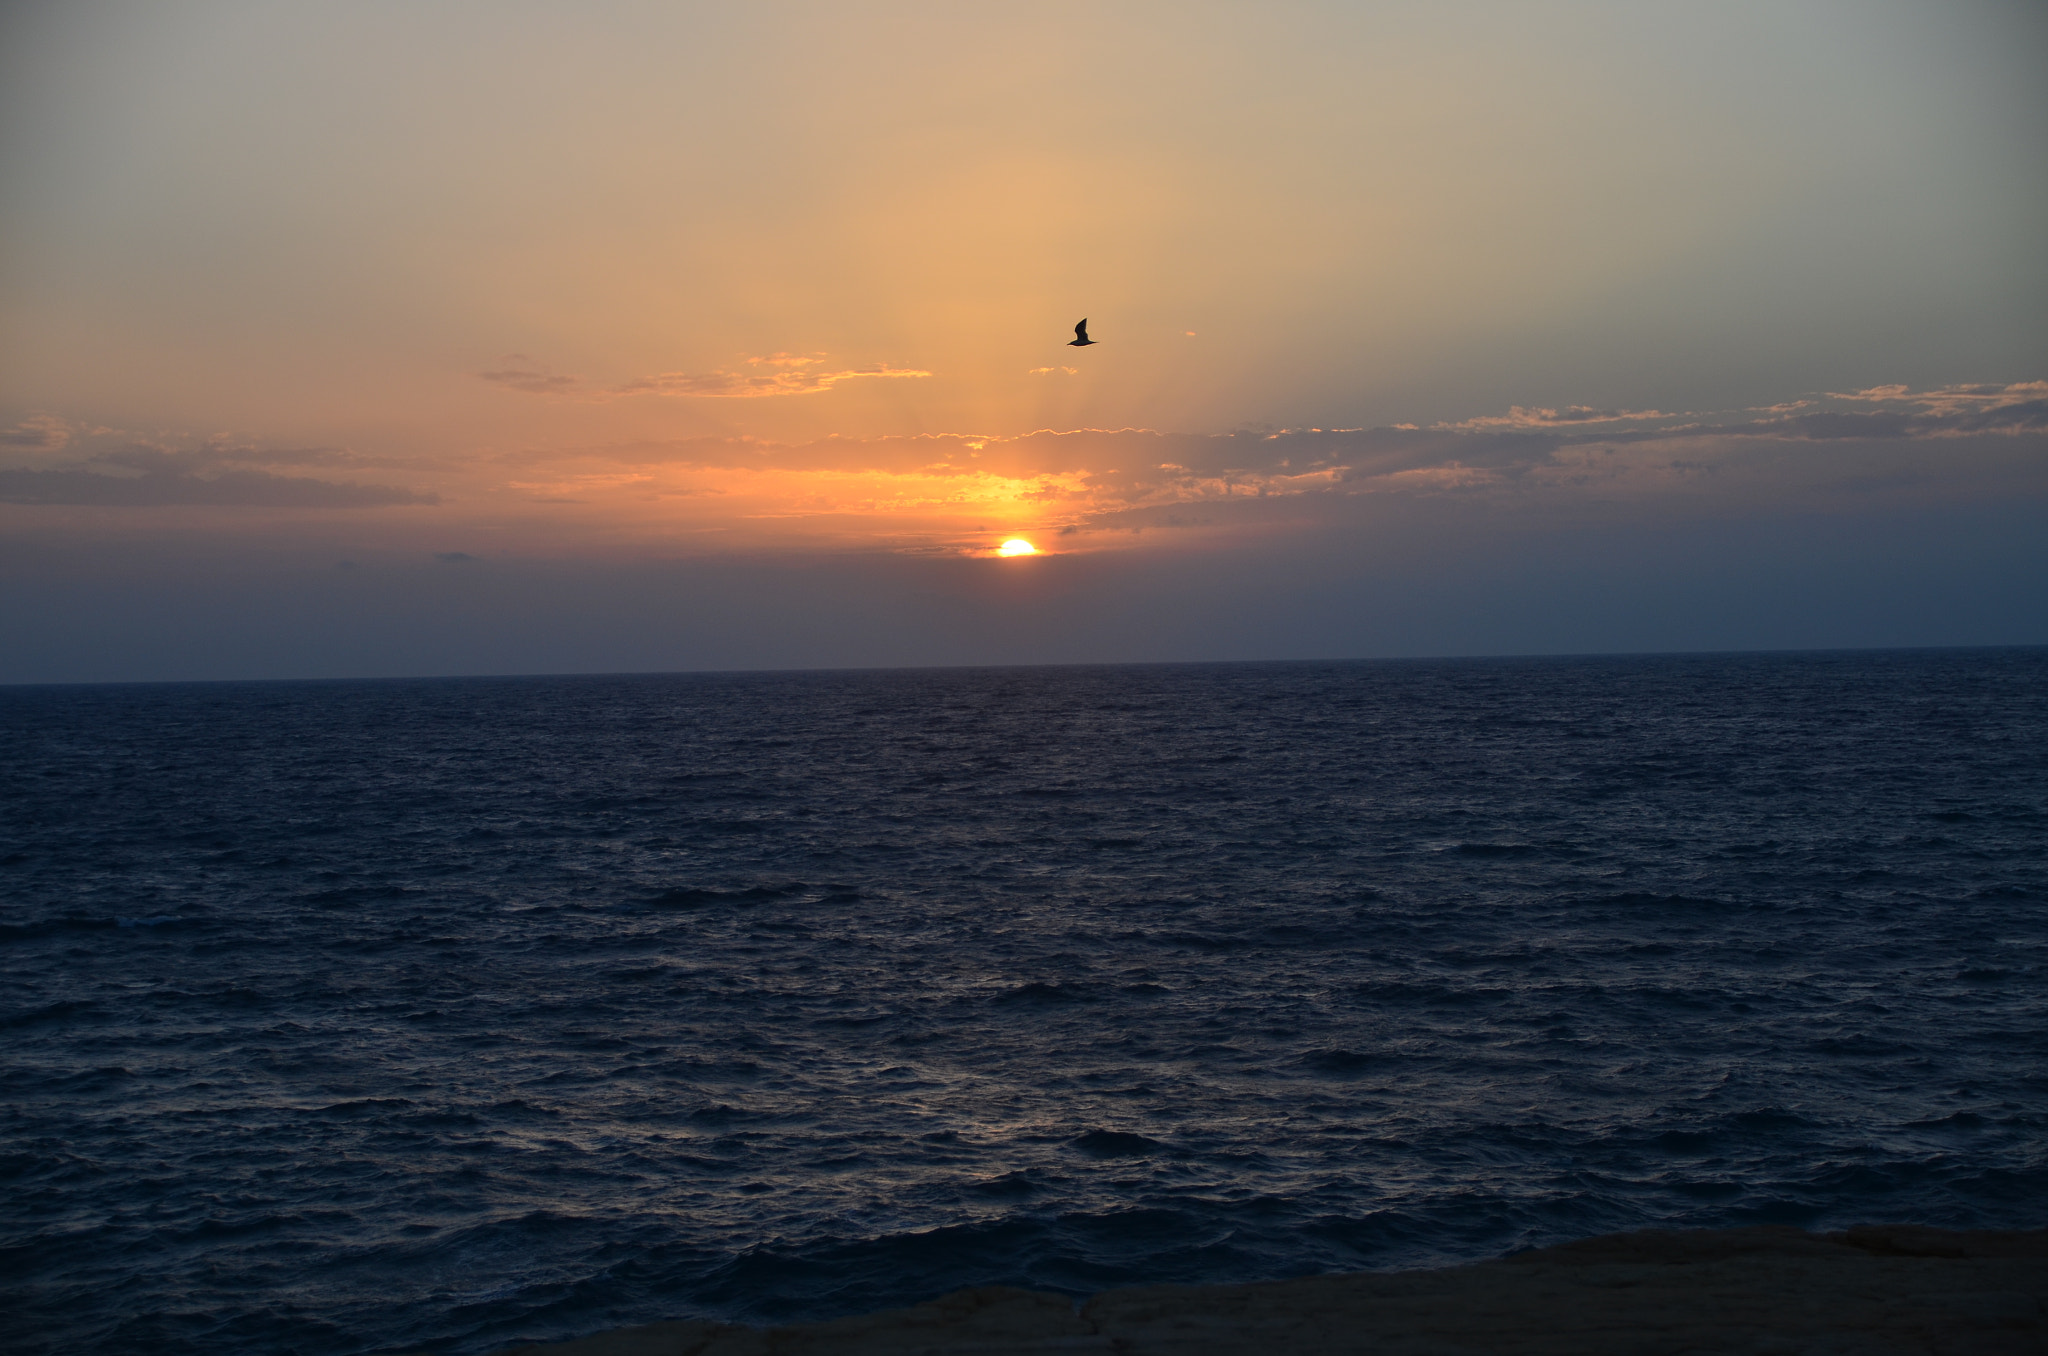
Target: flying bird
x,y
1080,336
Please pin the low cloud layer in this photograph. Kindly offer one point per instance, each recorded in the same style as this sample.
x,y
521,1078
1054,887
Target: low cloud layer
x,y
1090,488
1102,488
143,477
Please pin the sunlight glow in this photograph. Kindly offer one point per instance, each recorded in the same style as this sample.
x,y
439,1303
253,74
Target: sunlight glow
x,y
1017,546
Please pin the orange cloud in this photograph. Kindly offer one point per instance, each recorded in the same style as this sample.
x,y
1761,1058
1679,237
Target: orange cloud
x,y
789,375
1980,398
39,433
1536,417
792,378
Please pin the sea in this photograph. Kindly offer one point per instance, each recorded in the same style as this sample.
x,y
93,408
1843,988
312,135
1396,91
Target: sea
x,y
354,1017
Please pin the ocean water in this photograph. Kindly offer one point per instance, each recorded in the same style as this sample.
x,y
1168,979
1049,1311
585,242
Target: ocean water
x,y
369,1016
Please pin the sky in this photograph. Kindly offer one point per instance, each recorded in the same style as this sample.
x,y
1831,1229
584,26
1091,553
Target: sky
x,y
394,339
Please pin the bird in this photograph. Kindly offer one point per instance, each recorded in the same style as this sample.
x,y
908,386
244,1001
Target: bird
x,y
1080,336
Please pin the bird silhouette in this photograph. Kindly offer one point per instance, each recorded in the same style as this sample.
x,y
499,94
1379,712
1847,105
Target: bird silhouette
x,y
1080,336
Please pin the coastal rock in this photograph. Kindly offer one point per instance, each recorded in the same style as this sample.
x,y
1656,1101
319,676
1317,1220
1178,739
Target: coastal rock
x,y
1876,1290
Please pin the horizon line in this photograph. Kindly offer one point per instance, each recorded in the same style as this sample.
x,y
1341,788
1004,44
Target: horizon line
x,y
1785,652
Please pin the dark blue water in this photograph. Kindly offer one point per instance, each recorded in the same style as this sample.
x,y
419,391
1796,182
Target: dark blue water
x,y
345,1017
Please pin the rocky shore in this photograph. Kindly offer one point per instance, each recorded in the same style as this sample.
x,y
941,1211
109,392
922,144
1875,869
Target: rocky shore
x,y
1875,1290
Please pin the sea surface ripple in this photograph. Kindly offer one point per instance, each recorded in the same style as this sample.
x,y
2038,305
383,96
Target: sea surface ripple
x,y
363,1016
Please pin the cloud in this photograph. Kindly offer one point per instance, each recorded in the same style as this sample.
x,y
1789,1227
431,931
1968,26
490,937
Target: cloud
x,y
161,479
2017,407
1977,398
38,433
1945,412
779,374
521,373
1101,487
944,492
288,456
1572,416
791,378
1450,476
1895,411
1040,371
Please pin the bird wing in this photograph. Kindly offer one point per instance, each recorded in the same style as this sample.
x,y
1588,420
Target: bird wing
x,y
1081,330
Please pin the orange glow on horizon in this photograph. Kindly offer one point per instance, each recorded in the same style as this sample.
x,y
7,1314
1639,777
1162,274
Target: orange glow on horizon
x,y
1017,546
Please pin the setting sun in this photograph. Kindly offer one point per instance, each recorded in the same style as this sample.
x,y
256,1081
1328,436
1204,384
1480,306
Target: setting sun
x,y
1017,546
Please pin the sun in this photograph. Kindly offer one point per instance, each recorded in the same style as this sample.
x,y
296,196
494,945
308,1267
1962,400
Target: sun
x,y
1016,546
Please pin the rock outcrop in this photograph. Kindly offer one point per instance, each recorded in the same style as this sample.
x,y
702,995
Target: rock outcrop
x,y
1871,1291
